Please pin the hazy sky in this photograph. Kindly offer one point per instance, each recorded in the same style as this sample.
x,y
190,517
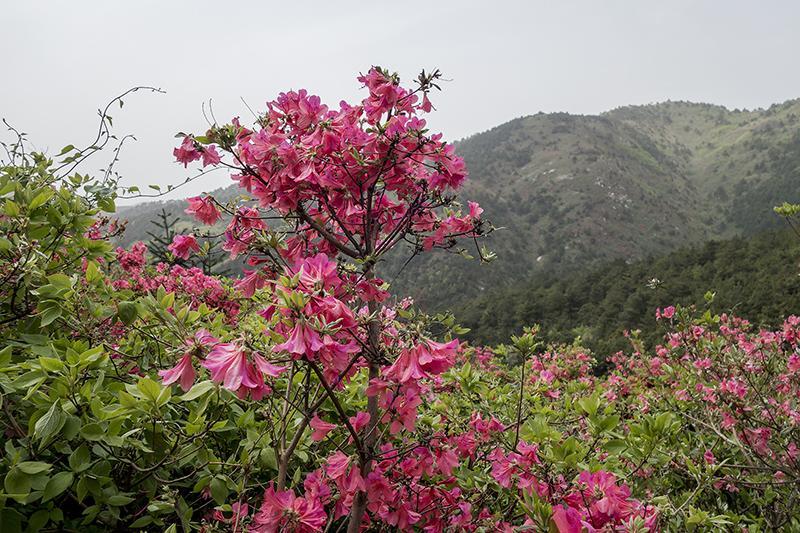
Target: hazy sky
x,y
63,60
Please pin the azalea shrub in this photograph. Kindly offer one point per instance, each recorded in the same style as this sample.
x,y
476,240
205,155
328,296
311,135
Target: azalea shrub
x,y
305,396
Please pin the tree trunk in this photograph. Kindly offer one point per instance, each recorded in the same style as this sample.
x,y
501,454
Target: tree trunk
x,y
360,500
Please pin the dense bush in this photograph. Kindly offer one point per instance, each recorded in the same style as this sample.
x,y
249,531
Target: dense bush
x,y
303,397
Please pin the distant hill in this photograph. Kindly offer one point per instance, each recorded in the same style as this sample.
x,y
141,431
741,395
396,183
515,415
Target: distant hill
x,y
757,278
572,191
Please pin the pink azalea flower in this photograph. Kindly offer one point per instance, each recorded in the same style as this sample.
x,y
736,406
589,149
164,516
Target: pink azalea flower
x,y
503,467
210,156
183,373
703,364
321,428
267,368
758,439
204,338
426,358
727,421
187,151
337,464
567,519
283,511
359,421
406,367
709,457
302,341
426,105
604,500
252,281
734,386
238,514
228,365
475,210
183,245
446,461
203,209
318,271
794,363
133,260
316,487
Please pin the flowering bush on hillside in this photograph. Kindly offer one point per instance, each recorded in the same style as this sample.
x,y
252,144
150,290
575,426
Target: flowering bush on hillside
x,y
304,396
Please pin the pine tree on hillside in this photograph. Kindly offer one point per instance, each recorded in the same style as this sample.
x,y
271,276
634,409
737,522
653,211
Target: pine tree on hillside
x,y
161,237
212,259
209,260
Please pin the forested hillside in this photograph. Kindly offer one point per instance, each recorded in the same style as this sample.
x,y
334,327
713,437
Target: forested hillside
x,y
756,277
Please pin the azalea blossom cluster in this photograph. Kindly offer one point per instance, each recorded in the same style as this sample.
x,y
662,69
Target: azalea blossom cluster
x,y
190,282
739,382
735,386
320,329
601,501
356,180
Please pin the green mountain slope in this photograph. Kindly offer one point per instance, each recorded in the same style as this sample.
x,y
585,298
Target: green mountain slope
x,y
756,278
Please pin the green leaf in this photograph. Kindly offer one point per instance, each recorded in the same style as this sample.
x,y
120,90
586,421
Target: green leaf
x,y
609,423
57,484
615,446
11,208
168,300
92,272
11,520
5,356
29,379
82,489
50,315
127,312
119,500
164,397
34,467
62,281
149,388
92,355
17,483
49,424
590,404
197,390
41,198
38,520
71,427
219,490
51,364
146,520
93,432
80,459
56,514
107,204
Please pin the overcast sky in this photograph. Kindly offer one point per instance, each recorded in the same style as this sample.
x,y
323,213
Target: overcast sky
x,y
63,60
